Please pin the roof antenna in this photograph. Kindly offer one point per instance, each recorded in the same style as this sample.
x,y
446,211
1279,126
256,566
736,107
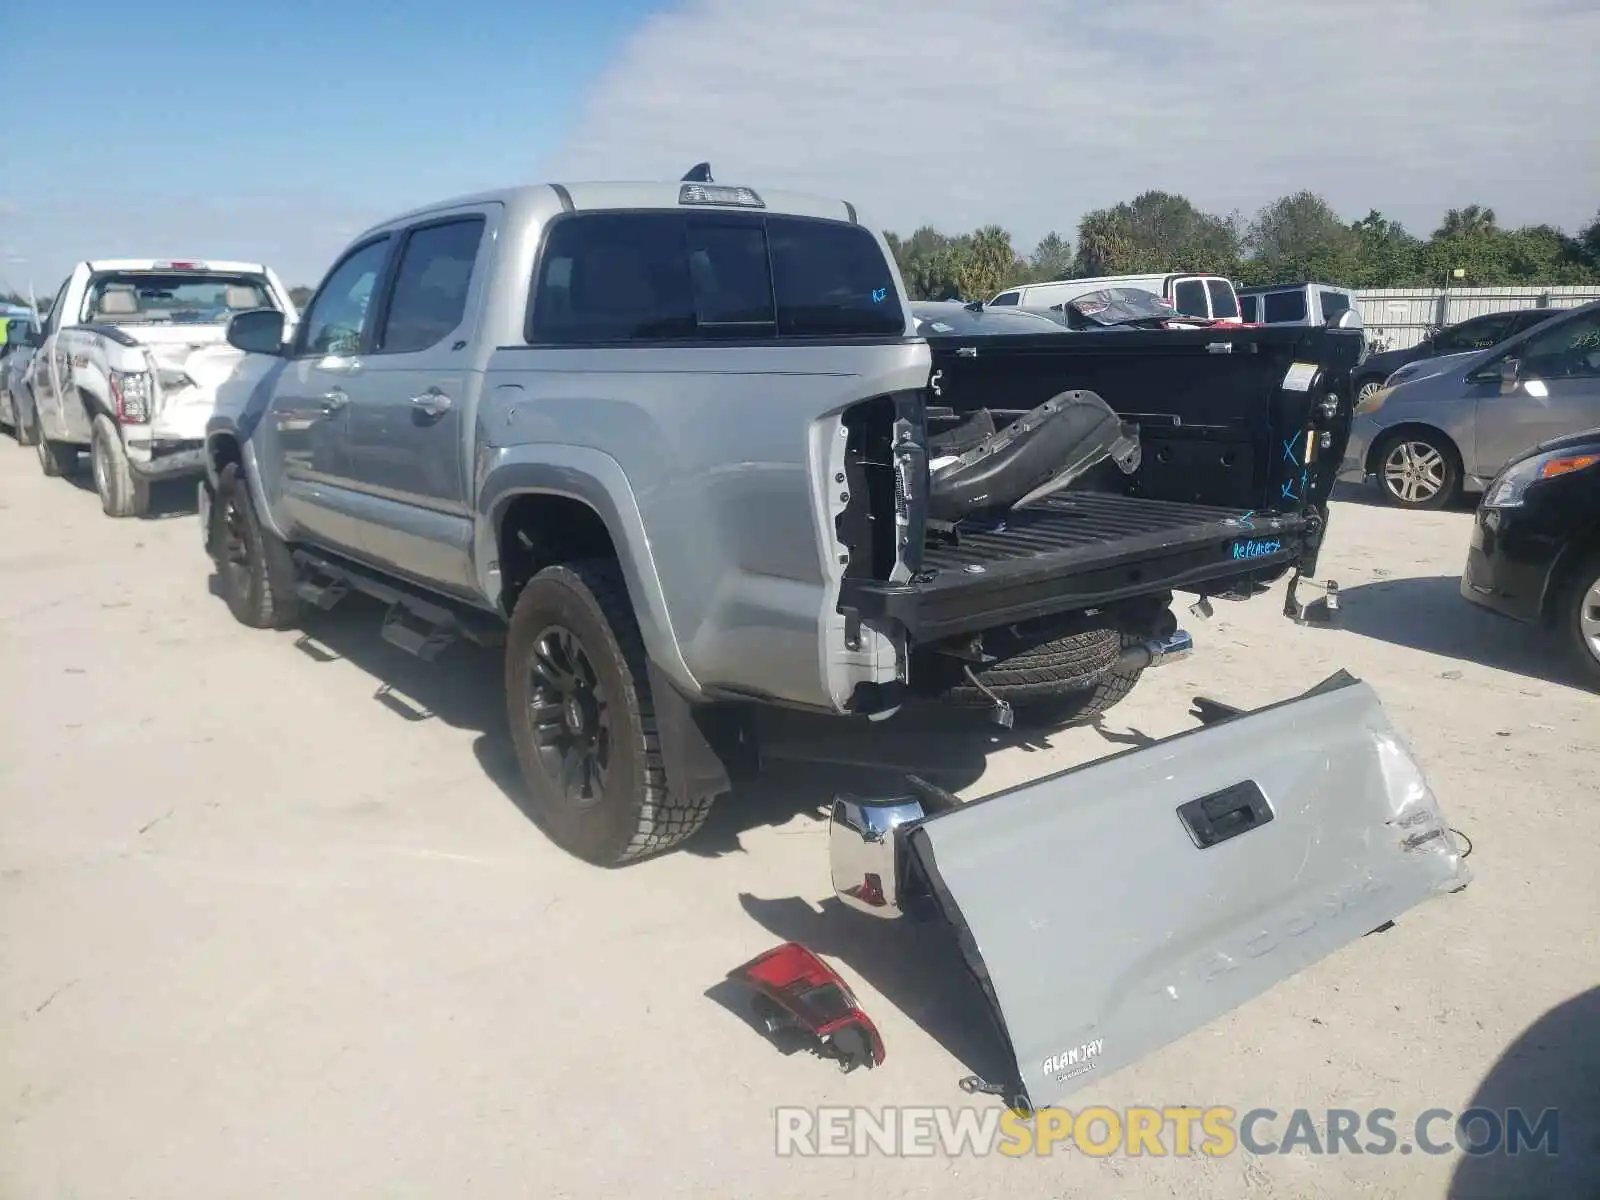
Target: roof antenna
x,y
699,173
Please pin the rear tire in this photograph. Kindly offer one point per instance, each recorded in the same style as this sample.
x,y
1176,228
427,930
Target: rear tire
x,y
122,492
583,723
256,570
1418,469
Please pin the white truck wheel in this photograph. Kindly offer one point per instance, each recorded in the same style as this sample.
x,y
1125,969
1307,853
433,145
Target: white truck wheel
x,y
122,492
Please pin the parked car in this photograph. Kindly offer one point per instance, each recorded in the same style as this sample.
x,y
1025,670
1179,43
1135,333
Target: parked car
x,y
674,446
133,361
1535,553
1454,422
1194,294
1294,303
14,344
1466,337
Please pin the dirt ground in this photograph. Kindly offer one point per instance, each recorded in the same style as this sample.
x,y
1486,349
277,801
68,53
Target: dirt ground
x,y
272,923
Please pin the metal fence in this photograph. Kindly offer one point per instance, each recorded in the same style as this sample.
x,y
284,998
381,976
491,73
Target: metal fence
x,y
1401,317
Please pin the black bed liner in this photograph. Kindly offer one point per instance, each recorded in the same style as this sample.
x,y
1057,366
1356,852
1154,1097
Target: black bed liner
x,y
1076,551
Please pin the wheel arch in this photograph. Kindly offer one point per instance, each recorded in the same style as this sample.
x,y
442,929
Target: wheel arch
x,y
1567,570
572,502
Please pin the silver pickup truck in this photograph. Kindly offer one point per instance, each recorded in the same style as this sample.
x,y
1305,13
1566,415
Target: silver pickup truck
x,y
682,449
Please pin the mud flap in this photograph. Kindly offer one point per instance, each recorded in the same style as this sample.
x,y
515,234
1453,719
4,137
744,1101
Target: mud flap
x,y
1112,908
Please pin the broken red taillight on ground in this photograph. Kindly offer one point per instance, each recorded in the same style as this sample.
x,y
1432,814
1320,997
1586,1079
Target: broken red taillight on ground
x,y
796,990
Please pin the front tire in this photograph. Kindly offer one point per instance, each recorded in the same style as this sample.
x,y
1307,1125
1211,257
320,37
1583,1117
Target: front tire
x,y
256,570
1418,469
122,492
583,722
1583,619
1366,387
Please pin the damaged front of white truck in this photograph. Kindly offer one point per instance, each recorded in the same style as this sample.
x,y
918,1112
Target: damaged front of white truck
x,y
138,363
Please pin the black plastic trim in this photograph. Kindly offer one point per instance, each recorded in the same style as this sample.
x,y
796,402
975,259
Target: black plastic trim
x,y
564,196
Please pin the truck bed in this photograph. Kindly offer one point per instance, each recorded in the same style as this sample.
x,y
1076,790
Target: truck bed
x,y
1072,551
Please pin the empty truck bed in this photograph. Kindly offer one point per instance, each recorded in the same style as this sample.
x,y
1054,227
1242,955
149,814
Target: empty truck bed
x,y
1076,550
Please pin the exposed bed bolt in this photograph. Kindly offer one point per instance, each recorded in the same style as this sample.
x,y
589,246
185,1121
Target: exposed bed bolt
x,y
844,497
839,478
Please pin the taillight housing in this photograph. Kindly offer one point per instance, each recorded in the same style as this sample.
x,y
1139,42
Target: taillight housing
x,y
131,396
797,990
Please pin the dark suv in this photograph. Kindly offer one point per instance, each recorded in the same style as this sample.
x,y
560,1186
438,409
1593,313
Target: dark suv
x,y
1476,333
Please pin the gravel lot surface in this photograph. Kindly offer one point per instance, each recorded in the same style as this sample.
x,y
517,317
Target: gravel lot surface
x,y
272,923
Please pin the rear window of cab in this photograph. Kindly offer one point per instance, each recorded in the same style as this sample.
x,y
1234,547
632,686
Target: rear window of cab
x,y
626,277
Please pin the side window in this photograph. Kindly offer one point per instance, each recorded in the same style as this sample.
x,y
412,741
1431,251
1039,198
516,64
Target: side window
x,y
1284,308
338,311
1250,309
613,277
1332,303
429,295
1189,298
1477,334
831,280
1569,351
1004,298
1223,302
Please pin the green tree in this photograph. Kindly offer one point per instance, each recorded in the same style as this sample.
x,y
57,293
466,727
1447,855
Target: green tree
x,y
1300,237
1155,231
1471,221
1052,258
1386,254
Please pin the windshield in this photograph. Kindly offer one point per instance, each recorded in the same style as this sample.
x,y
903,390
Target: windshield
x,y
189,298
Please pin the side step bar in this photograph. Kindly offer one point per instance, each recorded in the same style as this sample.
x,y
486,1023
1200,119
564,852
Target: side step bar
x,y
417,622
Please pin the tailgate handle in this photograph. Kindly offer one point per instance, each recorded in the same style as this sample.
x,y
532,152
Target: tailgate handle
x,y
1226,814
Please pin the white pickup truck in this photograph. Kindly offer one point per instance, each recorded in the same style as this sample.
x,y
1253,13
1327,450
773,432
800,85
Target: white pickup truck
x,y
133,361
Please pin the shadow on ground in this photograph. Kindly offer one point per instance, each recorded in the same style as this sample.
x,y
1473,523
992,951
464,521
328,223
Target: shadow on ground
x,y
806,760
1371,495
915,965
168,497
1554,1065
1428,613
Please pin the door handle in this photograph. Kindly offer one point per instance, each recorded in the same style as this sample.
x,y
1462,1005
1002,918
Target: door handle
x,y
432,402
333,401
1225,814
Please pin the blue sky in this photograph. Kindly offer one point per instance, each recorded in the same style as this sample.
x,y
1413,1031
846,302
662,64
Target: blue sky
x,y
276,123
275,131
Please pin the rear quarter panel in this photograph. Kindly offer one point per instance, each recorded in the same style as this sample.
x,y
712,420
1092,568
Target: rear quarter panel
x,y
722,452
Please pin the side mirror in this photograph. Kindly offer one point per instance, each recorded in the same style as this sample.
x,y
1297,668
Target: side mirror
x,y
1345,318
257,331
34,338
1510,373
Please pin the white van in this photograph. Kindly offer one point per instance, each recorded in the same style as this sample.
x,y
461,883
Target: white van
x,y
1193,295
1294,303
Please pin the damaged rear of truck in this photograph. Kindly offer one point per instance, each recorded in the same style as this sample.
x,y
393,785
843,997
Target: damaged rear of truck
x,y
679,448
